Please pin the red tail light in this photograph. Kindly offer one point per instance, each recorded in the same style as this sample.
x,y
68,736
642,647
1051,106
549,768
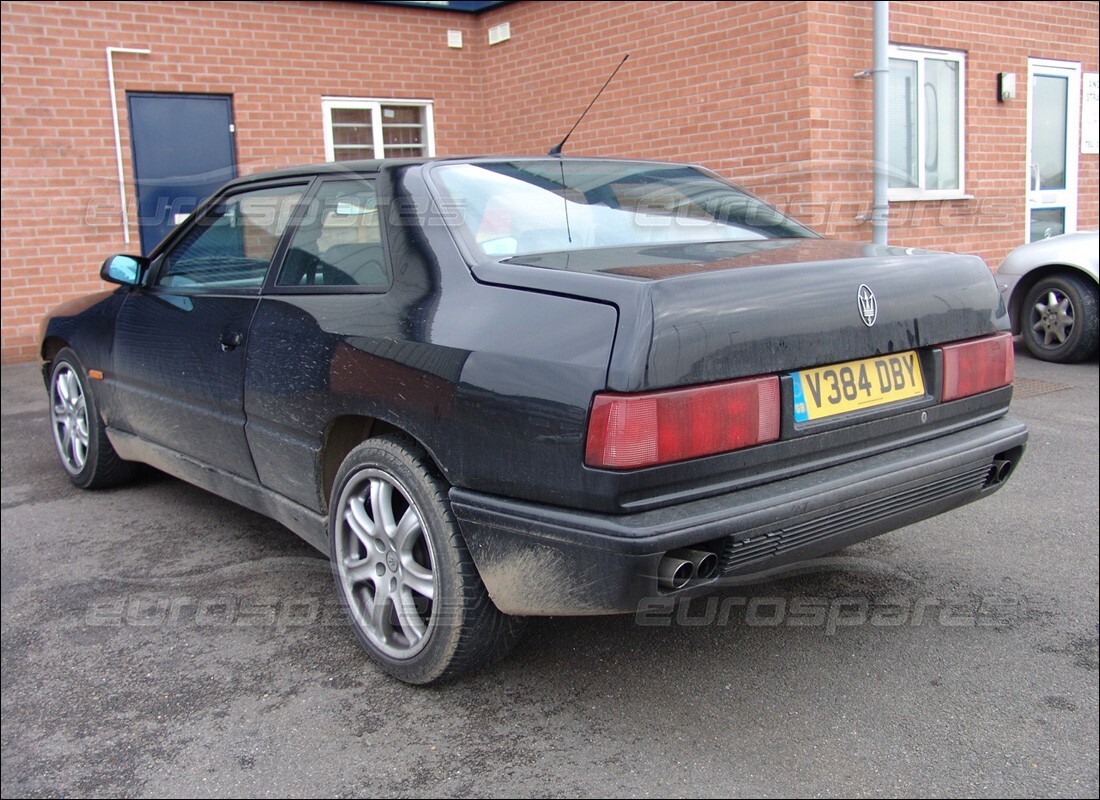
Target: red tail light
x,y
977,365
627,431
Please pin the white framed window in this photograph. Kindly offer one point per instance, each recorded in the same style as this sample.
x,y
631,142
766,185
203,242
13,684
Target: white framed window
x,y
927,123
375,128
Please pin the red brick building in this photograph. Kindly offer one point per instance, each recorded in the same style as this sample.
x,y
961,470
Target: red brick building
x,y
765,93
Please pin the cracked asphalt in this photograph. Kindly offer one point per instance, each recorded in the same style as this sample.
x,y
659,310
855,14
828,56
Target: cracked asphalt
x,y
158,641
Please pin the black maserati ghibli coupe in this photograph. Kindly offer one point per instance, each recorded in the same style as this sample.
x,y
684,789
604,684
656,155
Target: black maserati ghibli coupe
x,y
494,388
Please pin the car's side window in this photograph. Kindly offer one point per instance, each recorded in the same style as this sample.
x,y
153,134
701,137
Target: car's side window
x,y
338,241
231,246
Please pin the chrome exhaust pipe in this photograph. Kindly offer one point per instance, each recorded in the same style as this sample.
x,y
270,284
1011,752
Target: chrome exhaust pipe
x,y
674,573
704,564
999,472
680,567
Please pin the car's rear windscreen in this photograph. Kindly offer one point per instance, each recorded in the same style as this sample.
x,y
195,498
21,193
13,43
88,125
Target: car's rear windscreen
x,y
512,208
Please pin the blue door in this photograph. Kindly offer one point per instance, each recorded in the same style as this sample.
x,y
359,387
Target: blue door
x,y
183,151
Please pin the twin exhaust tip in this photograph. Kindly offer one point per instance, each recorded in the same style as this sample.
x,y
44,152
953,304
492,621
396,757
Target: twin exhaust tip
x,y
998,472
679,567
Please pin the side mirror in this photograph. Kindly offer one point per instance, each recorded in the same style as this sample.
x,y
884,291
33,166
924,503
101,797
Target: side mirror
x,y
126,270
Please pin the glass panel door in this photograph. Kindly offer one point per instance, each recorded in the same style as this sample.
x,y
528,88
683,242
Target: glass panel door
x,y
1053,109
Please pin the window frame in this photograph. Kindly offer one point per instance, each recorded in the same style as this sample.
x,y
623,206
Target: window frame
x,y
919,55
161,256
305,207
374,105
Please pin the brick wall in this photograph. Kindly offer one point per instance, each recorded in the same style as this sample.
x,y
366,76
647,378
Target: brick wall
x,y
762,92
60,192
996,37
715,83
765,93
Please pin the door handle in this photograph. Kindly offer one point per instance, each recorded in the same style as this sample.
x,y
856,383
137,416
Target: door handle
x,y
231,340
1036,178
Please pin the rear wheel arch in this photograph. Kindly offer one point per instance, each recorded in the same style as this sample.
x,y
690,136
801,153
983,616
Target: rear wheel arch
x,y
347,432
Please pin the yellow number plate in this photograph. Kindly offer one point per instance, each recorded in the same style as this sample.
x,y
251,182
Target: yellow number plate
x,y
855,385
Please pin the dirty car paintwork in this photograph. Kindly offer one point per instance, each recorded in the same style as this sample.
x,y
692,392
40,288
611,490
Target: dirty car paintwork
x,y
490,363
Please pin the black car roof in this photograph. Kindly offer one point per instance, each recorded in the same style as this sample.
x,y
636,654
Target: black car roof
x,y
374,165
325,168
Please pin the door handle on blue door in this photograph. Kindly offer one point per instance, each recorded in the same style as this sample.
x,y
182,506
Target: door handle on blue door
x,y
231,340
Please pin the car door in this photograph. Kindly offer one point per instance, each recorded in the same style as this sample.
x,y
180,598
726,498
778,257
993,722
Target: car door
x,y
180,341
317,332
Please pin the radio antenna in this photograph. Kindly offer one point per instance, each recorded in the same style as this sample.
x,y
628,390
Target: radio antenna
x,y
556,149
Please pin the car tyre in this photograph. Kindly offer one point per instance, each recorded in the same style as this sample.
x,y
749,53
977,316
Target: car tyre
x,y
402,570
79,433
1060,318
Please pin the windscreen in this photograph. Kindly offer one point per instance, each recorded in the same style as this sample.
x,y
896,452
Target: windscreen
x,y
505,209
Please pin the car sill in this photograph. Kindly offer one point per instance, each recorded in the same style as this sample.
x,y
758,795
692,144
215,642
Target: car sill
x,y
309,525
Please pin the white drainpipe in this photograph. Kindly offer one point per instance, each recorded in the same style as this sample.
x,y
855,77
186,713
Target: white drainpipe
x,y
118,137
881,214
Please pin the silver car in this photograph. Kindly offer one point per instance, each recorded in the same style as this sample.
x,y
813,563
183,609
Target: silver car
x,y
1050,287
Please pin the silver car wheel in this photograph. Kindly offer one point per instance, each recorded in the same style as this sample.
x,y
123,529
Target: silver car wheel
x,y
69,418
385,563
1053,318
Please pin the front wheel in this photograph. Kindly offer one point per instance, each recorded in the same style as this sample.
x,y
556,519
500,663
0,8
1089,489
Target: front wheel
x,y
1060,319
79,433
402,570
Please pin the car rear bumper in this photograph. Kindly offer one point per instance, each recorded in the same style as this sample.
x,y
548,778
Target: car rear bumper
x,y
544,560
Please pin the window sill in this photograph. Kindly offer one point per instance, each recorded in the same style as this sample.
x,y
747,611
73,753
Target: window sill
x,y
916,195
